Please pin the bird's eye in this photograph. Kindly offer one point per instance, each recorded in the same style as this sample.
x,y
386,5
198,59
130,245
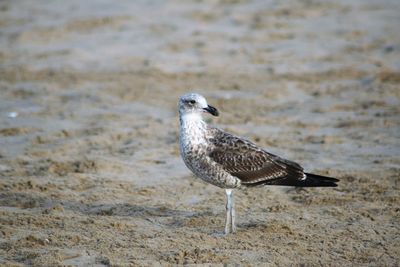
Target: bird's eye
x,y
192,102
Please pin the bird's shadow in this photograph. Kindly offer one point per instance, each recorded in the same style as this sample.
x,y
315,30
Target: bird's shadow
x,y
206,221
48,205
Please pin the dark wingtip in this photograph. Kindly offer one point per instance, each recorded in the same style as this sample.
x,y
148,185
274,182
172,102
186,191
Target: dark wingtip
x,y
319,180
312,180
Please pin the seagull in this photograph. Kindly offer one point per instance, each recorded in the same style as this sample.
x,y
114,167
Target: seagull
x,y
231,162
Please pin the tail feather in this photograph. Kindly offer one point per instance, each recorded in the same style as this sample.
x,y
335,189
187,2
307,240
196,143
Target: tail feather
x,y
314,180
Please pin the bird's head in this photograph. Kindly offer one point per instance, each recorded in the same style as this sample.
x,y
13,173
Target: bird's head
x,y
193,103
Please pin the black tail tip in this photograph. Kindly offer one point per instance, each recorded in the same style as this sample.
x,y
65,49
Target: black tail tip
x,y
319,180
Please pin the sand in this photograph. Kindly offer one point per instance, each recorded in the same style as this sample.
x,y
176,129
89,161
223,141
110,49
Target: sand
x,y
90,172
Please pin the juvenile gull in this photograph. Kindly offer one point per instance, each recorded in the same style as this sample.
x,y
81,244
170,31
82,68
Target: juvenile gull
x,y
231,162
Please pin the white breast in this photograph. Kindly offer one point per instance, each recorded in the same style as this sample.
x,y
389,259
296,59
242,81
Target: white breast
x,y
192,132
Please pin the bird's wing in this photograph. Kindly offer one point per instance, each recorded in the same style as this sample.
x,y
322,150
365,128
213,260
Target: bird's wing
x,y
251,164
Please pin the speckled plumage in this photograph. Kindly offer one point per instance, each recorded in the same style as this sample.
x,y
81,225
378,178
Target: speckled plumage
x,y
228,161
196,146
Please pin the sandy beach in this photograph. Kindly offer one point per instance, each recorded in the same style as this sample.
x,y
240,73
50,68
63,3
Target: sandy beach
x,y
90,171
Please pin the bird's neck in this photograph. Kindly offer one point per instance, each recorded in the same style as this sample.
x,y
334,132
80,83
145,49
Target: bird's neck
x,y
193,129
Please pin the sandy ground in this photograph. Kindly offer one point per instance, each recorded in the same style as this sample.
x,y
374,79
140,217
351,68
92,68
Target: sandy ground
x,y
90,173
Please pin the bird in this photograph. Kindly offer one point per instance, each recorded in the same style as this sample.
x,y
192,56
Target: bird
x,y
232,162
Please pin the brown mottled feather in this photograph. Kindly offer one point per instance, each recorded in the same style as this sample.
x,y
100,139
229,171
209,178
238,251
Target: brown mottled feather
x,y
251,164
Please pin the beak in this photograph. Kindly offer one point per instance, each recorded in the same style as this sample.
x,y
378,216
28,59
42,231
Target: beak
x,y
210,109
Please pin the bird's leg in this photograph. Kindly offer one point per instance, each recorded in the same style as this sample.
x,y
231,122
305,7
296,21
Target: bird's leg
x,y
228,223
233,215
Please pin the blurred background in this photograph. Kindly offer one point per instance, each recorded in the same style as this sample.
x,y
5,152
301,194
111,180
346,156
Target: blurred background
x,y
90,170
201,36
